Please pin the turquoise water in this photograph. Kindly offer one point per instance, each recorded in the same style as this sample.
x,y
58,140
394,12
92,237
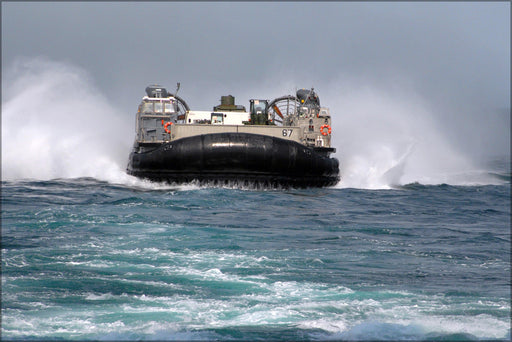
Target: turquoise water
x,y
88,259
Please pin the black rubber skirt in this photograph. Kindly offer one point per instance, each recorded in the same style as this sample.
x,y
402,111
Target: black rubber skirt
x,y
235,157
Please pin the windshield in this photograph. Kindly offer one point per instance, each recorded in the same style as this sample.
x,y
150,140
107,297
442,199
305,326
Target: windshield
x,y
169,107
147,107
158,107
259,106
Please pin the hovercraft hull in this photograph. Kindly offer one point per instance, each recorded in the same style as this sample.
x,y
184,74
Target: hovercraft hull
x,y
235,157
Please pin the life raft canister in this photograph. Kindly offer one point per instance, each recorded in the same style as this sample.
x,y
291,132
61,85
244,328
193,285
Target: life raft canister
x,y
324,132
166,125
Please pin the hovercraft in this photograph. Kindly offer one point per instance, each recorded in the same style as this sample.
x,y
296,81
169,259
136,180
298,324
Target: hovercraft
x,y
285,142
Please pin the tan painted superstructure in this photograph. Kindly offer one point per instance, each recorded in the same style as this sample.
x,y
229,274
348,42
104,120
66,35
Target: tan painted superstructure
x,y
158,121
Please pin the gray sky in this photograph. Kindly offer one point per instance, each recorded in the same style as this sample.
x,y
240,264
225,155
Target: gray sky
x,y
455,56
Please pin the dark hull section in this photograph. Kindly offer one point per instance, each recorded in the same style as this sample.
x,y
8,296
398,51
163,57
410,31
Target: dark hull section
x,y
238,157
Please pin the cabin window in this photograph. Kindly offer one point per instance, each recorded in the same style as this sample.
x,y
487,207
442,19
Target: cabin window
x,y
158,107
147,107
168,107
259,108
324,112
217,118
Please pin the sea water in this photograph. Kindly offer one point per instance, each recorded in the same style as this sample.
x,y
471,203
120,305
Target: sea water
x,y
412,244
88,259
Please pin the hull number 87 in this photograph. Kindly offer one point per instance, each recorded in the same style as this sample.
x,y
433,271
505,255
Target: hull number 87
x,y
287,132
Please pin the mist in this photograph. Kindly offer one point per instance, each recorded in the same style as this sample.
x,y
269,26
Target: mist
x,y
56,124
390,136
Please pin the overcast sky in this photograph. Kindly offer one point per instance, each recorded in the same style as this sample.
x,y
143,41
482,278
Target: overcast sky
x,y
460,48
455,54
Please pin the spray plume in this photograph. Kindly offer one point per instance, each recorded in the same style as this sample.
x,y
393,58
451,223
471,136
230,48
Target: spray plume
x,y
56,124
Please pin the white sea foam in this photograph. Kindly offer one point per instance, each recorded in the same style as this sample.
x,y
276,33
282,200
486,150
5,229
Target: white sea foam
x,y
99,297
325,311
387,136
310,307
55,124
